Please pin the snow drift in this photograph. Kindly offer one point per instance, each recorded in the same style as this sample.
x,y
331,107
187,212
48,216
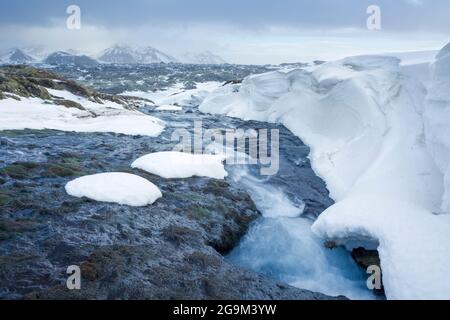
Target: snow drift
x,y
173,165
116,187
363,119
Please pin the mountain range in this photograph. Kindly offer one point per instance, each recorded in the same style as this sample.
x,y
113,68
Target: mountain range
x,y
118,54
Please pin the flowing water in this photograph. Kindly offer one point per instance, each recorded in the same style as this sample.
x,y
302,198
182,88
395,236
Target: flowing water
x,y
279,245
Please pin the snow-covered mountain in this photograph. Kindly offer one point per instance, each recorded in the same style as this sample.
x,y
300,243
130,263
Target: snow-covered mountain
x,y
129,55
206,57
38,53
16,56
61,57
118,54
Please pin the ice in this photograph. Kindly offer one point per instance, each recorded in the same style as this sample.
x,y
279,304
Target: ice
x,y
172,165
115,187
363,119
34,113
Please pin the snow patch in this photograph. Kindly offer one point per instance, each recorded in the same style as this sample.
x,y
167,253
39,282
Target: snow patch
x,y
115,187
172,165
35,113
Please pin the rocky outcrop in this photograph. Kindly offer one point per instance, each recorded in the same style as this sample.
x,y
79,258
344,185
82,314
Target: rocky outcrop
x,y
29,82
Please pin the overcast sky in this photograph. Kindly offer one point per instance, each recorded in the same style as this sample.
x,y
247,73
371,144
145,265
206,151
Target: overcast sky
x,y
241,31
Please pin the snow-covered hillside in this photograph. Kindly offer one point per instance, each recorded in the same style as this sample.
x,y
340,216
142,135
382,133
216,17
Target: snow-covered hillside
x,y
363,119
118,54
16,56
129,55
49,101
206,57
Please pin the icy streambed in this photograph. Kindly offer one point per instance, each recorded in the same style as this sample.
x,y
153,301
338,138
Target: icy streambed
x,y
281,244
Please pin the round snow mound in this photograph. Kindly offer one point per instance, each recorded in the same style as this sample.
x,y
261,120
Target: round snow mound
x,y
115,187
179,165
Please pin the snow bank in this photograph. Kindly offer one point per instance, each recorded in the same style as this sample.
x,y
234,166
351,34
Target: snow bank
x,y
437,119
34,113
362,119
171,165
414,245
121,188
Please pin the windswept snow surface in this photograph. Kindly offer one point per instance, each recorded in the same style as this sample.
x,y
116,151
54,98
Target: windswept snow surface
x,y
362,118
172,165
414,57
115,187
35,113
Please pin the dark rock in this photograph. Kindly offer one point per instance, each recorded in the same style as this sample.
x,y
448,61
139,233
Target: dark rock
x,y
27,81
69,104
366,258
236,81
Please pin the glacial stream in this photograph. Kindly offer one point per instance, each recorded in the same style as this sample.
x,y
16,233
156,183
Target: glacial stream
x,y
281,244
